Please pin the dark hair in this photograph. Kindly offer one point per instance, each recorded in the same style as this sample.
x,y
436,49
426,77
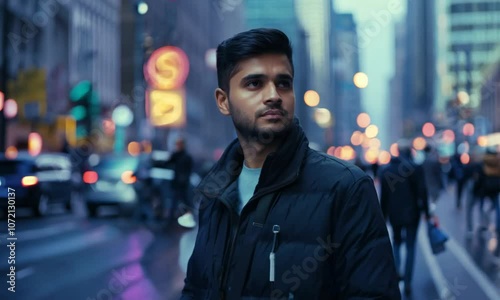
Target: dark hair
x,y
248,44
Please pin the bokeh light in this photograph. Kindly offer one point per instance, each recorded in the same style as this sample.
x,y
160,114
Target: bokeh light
x,y
464,158
482,141
419,143
371,156
394,150
357,138
363,120
11,152
448,136
311,98
371,131
463,97
360,80
134,148
384,157
468,129
428,129
34,143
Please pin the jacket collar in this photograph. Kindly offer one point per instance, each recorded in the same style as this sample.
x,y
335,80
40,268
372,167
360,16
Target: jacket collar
x,y
280,168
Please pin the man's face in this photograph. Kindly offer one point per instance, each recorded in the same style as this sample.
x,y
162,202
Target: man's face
x,y
261,100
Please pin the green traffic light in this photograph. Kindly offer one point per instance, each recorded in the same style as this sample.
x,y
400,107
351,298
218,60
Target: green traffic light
x,y
80,90
79,112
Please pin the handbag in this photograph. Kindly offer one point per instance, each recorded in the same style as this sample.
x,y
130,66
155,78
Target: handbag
x,y
437,237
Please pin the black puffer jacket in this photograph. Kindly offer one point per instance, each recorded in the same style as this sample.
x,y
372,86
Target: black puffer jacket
x,y
332,241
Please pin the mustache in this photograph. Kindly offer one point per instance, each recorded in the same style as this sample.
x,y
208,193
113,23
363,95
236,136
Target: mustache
x,y
276,106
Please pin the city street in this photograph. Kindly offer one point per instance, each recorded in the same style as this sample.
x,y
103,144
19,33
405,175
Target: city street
x,y
71,257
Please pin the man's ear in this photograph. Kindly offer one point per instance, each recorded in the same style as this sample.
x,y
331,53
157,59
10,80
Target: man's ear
x,y
222,100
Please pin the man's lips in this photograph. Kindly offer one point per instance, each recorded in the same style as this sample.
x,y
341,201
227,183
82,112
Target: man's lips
x,y
273,112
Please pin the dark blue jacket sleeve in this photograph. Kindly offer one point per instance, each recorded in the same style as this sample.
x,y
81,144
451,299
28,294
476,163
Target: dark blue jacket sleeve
x,y
364,264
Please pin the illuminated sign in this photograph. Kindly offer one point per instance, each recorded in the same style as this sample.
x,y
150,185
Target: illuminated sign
x,y
166,108
167,68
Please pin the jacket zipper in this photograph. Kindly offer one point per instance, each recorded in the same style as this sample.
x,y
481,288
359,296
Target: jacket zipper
x,y
227,259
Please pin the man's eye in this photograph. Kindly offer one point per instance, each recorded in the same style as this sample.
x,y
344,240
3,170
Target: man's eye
x,y
285,84
253,83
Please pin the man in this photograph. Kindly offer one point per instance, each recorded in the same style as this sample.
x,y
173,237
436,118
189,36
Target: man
x,y
433,175
403,198
182,164
278,220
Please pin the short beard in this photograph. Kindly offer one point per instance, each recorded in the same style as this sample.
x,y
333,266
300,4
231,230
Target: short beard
x,y
249,131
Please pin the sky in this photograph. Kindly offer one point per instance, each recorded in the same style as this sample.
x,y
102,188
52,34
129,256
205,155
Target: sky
x,y
375,21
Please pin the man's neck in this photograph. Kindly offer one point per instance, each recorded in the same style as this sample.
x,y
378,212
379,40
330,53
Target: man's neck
x,y
256,153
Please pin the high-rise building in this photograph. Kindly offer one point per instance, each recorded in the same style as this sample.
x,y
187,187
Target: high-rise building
x,y
52,46
282,15
347,102
315,17
397,83
490,96
474,28
420,74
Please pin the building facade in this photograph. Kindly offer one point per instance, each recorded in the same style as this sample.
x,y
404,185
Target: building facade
x,y
474,35
347,97
53,45
420,61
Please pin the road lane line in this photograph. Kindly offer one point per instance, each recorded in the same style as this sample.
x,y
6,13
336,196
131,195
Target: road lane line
x,y
23,273
481,279
33,234
436,273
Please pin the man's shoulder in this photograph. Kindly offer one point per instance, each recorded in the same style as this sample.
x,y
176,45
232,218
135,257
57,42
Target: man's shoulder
x,y
321,165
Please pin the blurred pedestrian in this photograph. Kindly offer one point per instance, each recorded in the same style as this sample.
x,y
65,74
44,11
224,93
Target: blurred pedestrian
x,y
433,174
403,200
182,164
458,175
272,205
487,185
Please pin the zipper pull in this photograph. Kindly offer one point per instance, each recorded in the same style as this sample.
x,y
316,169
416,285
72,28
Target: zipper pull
x,y
276,230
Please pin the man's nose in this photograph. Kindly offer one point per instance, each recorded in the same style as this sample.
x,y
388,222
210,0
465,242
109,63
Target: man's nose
x,y
272,93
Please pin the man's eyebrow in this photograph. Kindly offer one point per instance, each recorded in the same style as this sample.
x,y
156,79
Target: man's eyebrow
x,y
253,77
284,76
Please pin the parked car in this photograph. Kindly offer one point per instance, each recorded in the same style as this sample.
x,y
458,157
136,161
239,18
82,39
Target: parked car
x,y
38,181
109,181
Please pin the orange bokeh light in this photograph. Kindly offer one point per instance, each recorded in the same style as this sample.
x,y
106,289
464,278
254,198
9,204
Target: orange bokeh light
x,y
331,151
11,152
428,129
134,148
357,138
394,150
371,156
419,143
384,157
363,120
465,158
468,129
482,141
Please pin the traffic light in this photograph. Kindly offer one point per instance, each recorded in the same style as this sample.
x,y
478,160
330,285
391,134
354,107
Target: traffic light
x,y
81,95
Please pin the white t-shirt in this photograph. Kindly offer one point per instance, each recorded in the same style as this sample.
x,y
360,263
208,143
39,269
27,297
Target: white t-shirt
x,y
247,181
